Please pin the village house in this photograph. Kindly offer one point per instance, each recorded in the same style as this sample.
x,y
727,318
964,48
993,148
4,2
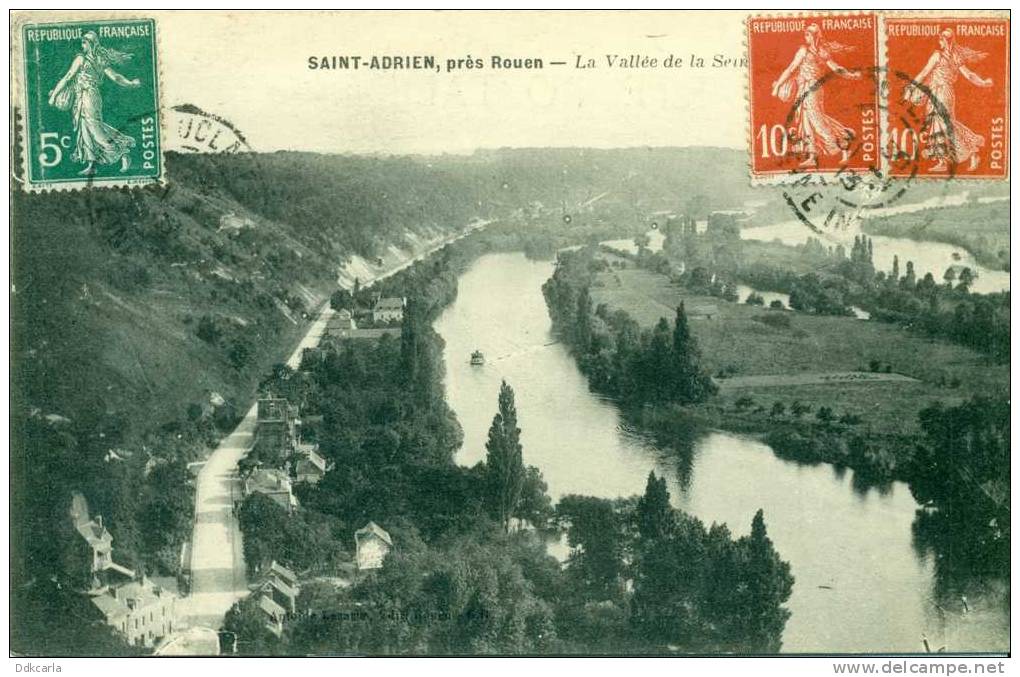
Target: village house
x,y
274,614
95,544
389,309
94,547
373,544
276,596
136,608
309,466
273,483
139,610
341,323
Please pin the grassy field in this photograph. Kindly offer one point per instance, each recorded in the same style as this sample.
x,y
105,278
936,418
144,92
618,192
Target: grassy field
x,y
734,340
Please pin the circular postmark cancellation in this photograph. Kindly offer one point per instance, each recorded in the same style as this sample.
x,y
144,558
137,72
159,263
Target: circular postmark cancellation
x,y
197,131
875,166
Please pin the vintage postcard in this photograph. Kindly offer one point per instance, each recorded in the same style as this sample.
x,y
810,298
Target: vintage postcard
x,y
511,333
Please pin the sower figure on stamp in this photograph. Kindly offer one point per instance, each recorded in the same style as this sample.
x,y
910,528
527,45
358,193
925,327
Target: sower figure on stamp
x,y
78,91
948,138
814,131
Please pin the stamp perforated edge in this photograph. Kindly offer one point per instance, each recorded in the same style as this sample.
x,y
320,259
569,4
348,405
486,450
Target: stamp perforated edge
x,y
929,15
786,178
19,95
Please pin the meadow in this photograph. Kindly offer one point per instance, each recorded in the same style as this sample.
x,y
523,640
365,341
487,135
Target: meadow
x,y
735,342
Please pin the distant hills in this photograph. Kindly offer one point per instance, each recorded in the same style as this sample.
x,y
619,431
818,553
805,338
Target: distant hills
x,y
119,284
114,287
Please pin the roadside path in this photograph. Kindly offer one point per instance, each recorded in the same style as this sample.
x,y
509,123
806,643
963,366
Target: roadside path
x,y
218,574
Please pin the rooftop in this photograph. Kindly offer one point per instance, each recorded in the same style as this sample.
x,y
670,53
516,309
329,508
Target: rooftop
x,y
120,600
390,303
283,572
373,529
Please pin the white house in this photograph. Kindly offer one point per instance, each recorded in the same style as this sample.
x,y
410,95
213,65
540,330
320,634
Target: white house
x,y
373,543
310,467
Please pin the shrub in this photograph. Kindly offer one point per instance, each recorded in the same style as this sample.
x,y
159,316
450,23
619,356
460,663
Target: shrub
x,y
743,402
208,331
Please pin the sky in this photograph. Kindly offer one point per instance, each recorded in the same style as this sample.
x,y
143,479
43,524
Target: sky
x,y
250,68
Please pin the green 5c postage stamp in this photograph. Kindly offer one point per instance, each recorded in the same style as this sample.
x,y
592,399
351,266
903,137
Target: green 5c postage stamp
x,y
91,104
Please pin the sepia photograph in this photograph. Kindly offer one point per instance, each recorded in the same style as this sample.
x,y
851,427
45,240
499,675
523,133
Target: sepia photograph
x,y
510,333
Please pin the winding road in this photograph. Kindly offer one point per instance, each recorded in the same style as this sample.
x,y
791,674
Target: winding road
x,y
218,574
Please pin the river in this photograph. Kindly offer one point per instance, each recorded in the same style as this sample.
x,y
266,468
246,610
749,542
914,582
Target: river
x,y
861,586
928,257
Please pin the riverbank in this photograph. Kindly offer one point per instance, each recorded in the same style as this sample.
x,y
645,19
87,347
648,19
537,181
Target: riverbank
x,y
986,236
818,388
828,521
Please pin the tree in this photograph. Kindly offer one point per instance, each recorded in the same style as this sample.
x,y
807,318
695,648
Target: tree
x,y
659,360
966,279
504,460
778,409
595,535
691,383
469,597
654,513
341,299
769,585
246,622
535,506
241,351
909,280
582,328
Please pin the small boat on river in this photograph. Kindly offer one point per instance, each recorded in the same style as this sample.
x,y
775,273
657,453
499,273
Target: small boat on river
x,y
477,358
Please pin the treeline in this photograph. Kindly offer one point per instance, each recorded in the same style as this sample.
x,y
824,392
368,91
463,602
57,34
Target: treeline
x,y
642,577
963,471
691,587
661,364
944,309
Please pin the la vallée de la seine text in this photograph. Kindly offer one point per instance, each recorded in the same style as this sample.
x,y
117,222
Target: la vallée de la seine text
x,y
424,62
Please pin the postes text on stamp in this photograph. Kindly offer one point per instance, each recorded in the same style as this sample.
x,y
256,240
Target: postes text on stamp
x,y
91,104
948,96
813,103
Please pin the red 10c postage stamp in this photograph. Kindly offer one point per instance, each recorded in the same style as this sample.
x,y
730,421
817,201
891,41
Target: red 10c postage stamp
x,y
814,105
948,96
